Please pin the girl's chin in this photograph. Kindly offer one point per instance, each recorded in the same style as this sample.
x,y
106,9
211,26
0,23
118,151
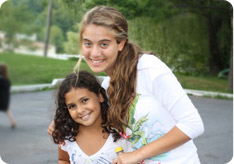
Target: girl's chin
x,y
97,70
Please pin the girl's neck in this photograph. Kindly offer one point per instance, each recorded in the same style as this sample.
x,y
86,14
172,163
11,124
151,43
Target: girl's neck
x,y
91,140
90,130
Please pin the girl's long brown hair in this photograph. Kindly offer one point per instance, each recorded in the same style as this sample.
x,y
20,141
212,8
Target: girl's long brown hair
x,y
122,86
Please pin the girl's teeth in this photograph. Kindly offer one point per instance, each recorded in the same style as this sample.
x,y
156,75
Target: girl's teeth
x,y
96,61
85,117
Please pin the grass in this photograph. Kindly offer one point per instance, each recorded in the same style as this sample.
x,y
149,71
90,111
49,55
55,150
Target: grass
x,y
208,83
25,69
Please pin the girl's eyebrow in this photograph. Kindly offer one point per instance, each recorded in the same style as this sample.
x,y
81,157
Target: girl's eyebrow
x,y
86,40
103,40
69,104
80,99
83,97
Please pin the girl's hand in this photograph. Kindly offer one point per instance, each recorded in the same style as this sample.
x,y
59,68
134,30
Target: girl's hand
x,y
128,158
51,128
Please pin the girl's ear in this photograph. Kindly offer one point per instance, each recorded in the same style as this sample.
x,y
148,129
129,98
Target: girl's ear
x,y
121,45
101,99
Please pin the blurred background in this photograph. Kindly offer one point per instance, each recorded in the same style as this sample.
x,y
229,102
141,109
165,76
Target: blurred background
x,y
39,43
194,38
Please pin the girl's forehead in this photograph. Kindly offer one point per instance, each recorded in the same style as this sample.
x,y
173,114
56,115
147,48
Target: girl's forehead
x,y
77,93
98,32
94,26
78,90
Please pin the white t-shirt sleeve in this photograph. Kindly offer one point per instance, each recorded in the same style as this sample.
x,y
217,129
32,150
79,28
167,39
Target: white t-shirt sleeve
x,y
63,146
167,89
105,82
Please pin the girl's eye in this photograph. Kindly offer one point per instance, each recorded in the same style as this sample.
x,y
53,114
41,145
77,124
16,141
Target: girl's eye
x,y
71,106
104,45
84,100
87,44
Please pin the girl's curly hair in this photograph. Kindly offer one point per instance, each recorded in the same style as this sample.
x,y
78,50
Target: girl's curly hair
x,y
65,127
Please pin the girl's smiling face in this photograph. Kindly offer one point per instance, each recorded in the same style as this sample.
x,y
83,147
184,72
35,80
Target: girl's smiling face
x,y
84,107
100,48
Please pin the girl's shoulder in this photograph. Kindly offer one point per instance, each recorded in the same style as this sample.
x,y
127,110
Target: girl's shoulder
x,y
67,145
150,61
150,64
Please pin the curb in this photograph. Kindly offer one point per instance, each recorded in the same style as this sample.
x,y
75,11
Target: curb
x,y
30,88
56,82
40,87
208,93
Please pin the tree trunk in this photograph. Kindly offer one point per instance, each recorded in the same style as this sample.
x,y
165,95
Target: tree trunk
x,y
48,28
215,63
230,75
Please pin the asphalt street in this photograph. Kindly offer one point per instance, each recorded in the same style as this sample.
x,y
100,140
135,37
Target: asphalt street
x,y
29,142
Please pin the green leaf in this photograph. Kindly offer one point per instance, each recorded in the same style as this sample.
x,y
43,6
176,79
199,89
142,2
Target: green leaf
x,y
131,119
138,135
140,122
136,140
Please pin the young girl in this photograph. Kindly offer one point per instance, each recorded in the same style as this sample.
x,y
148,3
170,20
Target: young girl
x,y
148,106
81,113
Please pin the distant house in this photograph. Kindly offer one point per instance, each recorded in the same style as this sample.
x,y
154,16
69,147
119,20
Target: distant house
x,y
2,38
27,45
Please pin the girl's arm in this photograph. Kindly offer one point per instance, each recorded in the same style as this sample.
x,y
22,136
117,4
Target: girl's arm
x,y
189,124
51,128
174,138
63,157
168,90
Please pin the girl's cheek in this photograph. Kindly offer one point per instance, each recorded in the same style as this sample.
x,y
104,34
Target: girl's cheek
x,y
85,51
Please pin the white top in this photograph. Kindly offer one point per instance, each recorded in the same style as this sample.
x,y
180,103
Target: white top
x,y
105,155
161,104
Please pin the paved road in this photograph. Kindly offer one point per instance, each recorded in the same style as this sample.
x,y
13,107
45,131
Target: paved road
x,y
30,144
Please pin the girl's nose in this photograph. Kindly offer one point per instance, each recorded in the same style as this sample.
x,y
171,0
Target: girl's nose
x,y
80,111
95,52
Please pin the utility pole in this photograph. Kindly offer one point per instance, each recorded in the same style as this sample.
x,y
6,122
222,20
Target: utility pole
x,y
48,28
230,75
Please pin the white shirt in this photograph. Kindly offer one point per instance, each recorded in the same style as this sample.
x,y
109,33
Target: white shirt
x,y
161,104
105,155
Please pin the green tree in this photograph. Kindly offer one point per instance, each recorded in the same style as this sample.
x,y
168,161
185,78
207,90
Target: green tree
x,y
183,53
35,6
219,16
75,8
72,45
57,38
62,18
14,19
